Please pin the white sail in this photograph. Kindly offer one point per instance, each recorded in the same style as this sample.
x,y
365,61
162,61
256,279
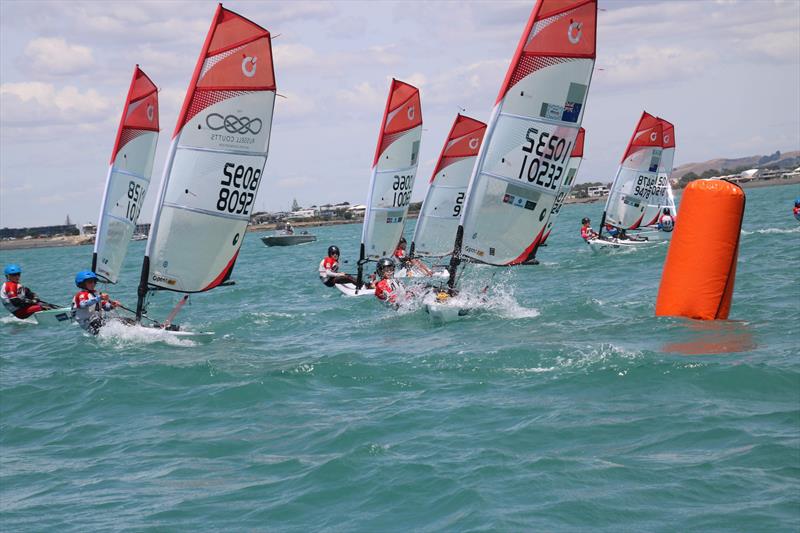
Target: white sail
x,y
216,160
636,177
441,210
393,171
524,157
575,159
128,177
661,196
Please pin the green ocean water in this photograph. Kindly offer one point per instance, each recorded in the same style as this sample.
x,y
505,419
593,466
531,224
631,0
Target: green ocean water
x,y
566,405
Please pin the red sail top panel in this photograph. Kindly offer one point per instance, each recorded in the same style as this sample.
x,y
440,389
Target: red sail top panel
x,y
403,112
668,134
556,29
236,57
578,150
140,112
464,140
647,133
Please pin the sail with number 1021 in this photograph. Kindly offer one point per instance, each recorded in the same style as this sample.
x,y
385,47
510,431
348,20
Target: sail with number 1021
x,y
575,159
441,209
393,171
128,177
215,163
525,154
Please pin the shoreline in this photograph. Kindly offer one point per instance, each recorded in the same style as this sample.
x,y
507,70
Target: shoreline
x,y
82,240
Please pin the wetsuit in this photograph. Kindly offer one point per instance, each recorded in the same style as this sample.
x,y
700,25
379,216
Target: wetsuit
x,y
19,300
88,307
329,273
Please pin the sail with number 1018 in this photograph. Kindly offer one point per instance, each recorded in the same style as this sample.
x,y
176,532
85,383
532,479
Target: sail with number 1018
x,y
128,177
216,161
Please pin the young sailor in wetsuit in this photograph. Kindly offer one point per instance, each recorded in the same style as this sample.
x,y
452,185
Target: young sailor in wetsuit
x,y
329,273
20,301
88,306
666,222
388,289
586,230
409,262
796,210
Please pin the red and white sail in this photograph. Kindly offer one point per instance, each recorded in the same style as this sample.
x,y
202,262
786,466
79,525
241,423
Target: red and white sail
x,y
662,196
637,175
393,171
216,160
128,176
525,155
575,159
447,189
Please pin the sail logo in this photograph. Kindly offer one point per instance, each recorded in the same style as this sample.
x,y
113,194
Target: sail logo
x,y
473,143
411,112
574,31
234,124
653,136
249,66
666,139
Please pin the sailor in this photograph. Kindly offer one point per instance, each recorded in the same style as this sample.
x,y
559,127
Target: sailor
x,y
88,306
796,210
586,230
20,301
408,262
388,289
329,273
666,222
289,229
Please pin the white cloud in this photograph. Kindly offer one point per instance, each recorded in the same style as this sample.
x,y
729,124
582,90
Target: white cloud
x,y
649,64
27,105
296,182
362,95
293,105
293,55
53,56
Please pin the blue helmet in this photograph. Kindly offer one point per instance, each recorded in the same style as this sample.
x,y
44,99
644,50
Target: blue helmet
x,y
84,275
797,202
12,269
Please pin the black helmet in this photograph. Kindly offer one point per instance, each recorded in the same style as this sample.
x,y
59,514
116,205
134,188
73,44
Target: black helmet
x,y
666,210
402,240
585,220
384,263
333,250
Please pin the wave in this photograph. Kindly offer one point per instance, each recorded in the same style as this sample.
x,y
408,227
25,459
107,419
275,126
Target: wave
x,y
765,231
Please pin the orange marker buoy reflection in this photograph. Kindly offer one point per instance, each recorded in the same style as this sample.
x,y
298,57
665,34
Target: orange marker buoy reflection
x,y
700,268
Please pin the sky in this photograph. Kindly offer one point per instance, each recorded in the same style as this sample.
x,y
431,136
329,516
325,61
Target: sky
x,y
725,72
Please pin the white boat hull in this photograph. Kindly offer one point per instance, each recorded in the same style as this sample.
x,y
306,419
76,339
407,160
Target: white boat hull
x,y
444,313
610,244
54,317
349,290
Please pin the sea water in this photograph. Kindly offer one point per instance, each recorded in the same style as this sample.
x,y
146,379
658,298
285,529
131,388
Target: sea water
x,y
565,405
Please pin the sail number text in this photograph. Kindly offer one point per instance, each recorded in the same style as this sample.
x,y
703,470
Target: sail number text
x,y
459,204
645,186
135,194
402,187
546,166
238,188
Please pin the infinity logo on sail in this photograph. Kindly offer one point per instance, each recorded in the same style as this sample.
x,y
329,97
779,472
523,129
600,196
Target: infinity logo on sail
x,y
234,124
246,70
473,143
574,32
151,112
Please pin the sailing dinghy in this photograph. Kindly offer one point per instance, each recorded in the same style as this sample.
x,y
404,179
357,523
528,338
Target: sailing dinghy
x,y
661,197
524,158
215,163
391,182
633,186
126,185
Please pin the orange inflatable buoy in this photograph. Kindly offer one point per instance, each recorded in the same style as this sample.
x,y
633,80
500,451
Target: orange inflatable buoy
x,y
700,268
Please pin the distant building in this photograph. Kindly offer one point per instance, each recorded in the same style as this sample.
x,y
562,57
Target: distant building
x,y
42,231
302,214
142,229
600,190
88,229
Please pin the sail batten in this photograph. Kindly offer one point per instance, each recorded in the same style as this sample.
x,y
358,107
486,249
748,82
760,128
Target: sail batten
x,y
128,176
216,161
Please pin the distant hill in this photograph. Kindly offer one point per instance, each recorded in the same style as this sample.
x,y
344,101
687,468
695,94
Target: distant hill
x,y
787,160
